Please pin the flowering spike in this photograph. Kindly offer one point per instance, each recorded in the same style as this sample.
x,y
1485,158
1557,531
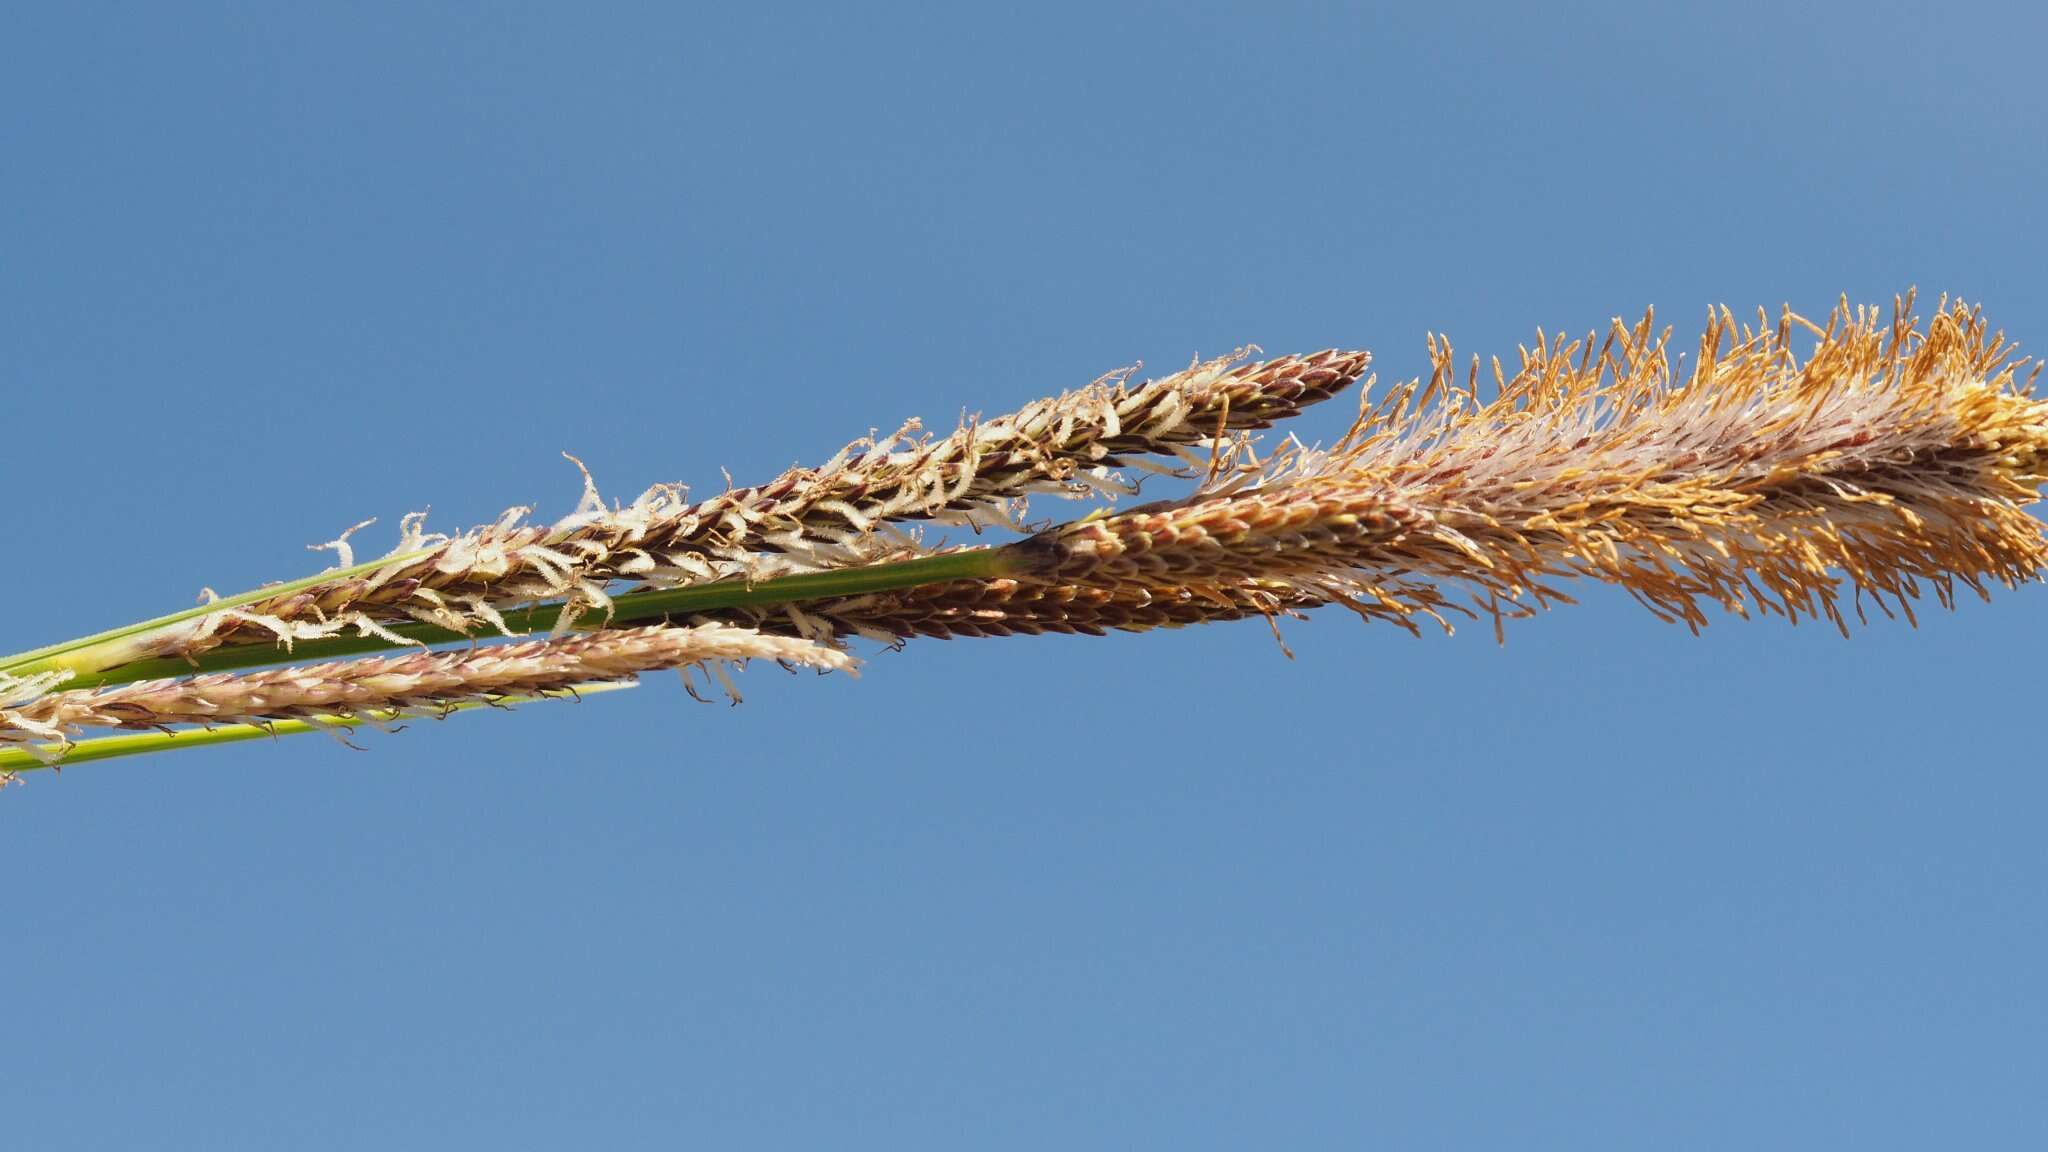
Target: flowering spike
x,y
806,519
1891,458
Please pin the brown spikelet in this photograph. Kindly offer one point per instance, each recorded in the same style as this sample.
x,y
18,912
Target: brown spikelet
x,y
414,682
1891,458
1259,532
991,608
807,518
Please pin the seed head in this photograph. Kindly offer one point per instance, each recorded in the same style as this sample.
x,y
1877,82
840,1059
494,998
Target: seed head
x,y
1004,607
418,682
1891,458
808,518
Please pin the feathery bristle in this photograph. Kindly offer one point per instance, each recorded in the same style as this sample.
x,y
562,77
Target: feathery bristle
x,y
1891,458
418,682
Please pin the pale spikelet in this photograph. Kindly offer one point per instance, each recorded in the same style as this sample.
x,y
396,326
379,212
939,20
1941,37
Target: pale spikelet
x,y
19,706
1891,459
1065,445
808,518
418,682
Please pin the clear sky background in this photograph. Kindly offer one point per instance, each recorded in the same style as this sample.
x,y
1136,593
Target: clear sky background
x,y
267,270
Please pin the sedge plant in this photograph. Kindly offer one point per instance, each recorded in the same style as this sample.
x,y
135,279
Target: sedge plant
x,y
1791,468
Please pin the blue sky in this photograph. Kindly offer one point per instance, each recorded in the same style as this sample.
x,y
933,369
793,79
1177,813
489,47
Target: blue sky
x,y
267,271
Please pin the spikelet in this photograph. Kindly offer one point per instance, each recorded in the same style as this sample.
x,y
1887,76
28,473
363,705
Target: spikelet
x,y
1004,607
413,683
806,519
19,696
1892,459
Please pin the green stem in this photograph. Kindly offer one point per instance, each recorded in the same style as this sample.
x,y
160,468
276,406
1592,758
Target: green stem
x,y
145,743
632,608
